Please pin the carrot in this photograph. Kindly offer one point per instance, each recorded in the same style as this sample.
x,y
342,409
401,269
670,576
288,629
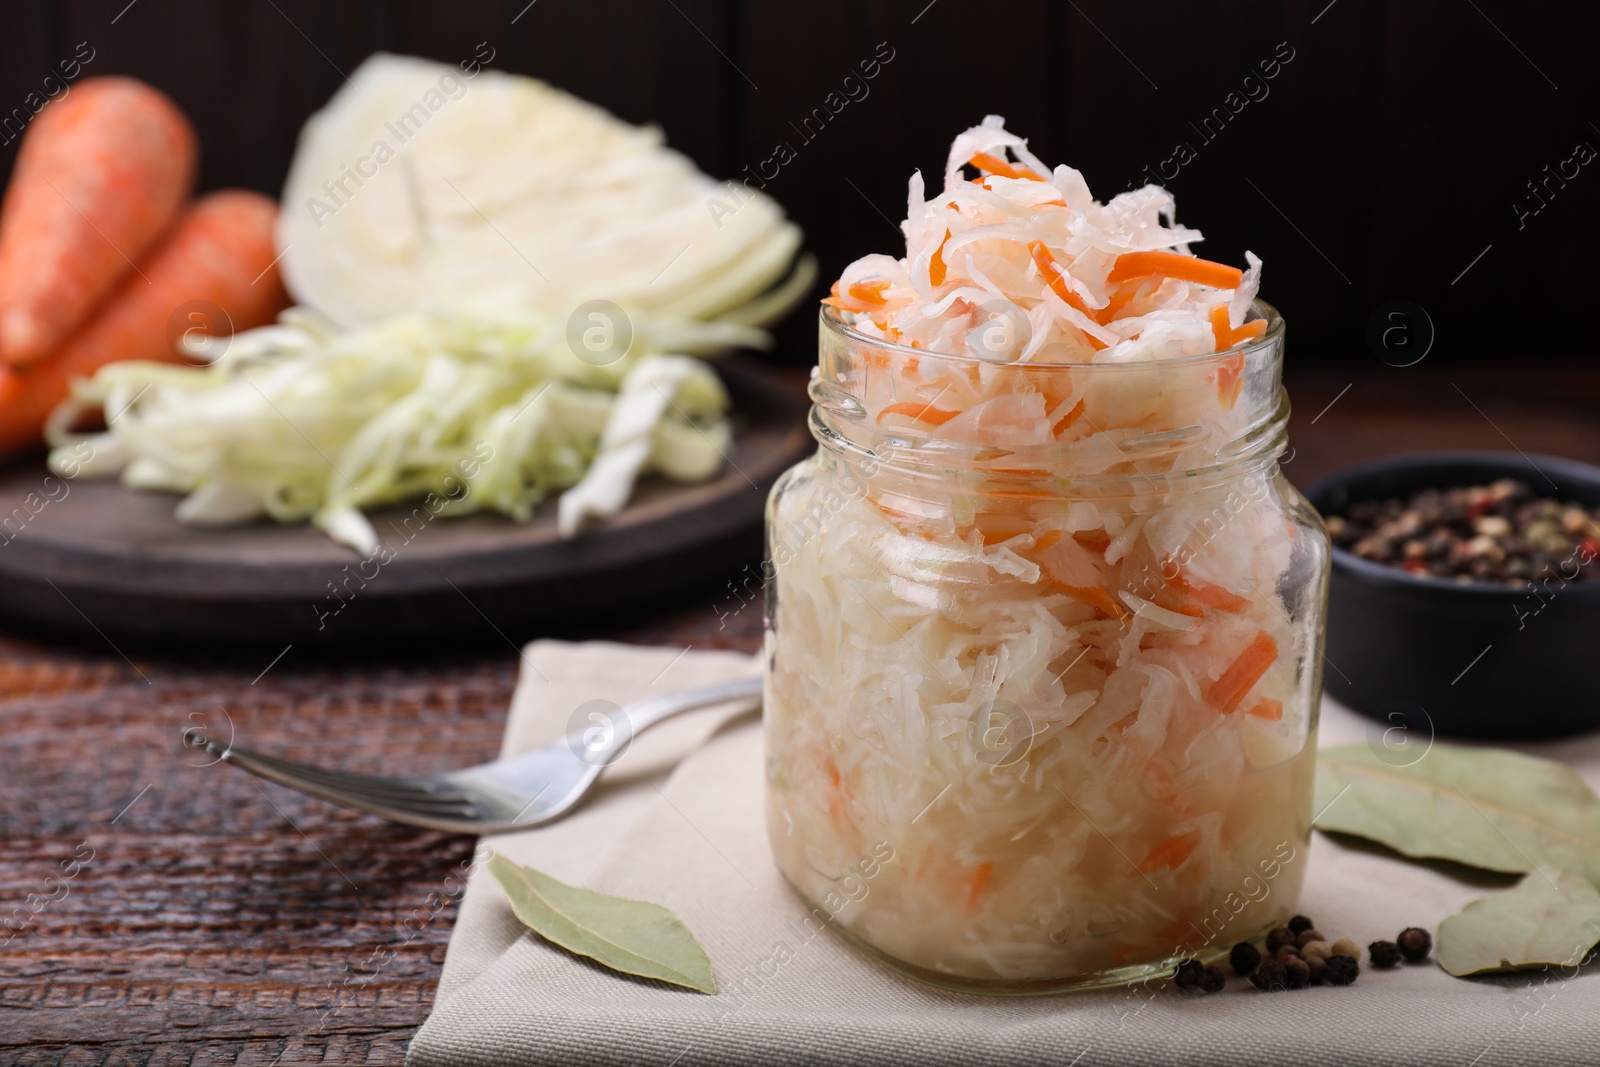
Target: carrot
x,y
1051,272
1220,330
101,175
1053,387
1243,673
920,412
1170,853
1094,540
995,165
867,292
977,882
1226,336
1121,299
1248,332
221,251
1266,708
1065,421
1175,265
1212,596
936,266
1097,597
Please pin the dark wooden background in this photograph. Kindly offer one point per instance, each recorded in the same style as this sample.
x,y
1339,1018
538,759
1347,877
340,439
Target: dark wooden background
x,y
1385,157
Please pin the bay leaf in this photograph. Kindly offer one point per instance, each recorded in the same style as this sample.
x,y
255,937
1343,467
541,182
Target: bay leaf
x,y
1549,919
1488,808
631,936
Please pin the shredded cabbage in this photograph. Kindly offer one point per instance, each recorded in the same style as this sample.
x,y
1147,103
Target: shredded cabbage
x,y
1079,711
486,407
969,264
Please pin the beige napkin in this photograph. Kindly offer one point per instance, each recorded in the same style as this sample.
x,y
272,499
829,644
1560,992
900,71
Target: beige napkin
x,y
692,837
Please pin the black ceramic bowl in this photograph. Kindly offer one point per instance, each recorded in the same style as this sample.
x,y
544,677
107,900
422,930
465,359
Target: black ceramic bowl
x,y
1479,660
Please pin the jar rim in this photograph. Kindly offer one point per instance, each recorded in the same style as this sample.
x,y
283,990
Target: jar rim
x,y
832,320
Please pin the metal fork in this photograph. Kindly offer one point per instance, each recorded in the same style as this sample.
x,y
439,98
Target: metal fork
x,y
508,794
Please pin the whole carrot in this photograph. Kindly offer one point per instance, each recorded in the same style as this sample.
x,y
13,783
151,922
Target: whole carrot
x,y
220,251
101,174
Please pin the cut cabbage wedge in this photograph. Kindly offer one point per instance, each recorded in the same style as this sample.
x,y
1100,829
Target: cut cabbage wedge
x,y
418,186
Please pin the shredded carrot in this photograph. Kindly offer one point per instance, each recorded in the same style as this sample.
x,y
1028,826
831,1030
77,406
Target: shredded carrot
x,y
977,883
1095,596
1023,494
1095,540
995,165
1230,375
1248,332
1051,272
1119,300
1230,380
1212,596
867,292
1053,386
1069,418
1175,265
920,412
1243,673
1266,708
936,266
1227,337
840,797
1046,539
1171,853
1220,328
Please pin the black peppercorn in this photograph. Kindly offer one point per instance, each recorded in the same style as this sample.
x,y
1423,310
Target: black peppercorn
x,y
1287,952
1244,958
1187,976
1296,973
1300,924
1279,937
1414,943
1212,980
1318,966
1342,970
1269,976
1383,953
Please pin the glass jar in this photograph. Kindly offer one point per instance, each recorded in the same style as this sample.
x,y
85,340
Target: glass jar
x,y
1041,715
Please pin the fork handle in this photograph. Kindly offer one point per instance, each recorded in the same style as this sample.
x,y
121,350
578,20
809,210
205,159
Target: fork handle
x,y
646,713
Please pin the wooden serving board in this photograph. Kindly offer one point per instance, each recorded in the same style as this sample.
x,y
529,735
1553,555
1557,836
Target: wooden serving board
x,y
88,555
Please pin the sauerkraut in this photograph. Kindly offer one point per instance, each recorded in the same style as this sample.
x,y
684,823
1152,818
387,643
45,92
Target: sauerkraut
x,y
1044,617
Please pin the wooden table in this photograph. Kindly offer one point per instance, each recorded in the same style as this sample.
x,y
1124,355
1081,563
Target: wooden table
x,y
217,919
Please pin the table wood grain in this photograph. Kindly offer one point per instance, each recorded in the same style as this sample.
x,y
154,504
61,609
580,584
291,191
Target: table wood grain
x,y
216,919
